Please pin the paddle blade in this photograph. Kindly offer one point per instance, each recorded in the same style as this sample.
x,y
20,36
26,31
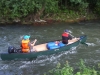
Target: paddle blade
x,y
83,40
84,43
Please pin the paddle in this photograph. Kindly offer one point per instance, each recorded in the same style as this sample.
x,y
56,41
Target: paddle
x,y
84,43
83,40
71,34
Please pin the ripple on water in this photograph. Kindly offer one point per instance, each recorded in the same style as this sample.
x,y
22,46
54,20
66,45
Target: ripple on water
x,y
91,44
11,35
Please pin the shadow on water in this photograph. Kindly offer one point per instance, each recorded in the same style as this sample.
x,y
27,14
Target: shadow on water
x,y
12,35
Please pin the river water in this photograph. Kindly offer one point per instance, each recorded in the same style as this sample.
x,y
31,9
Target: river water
x,y
12,35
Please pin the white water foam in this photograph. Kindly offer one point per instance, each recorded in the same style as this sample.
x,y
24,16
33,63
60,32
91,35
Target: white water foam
x,y
3,67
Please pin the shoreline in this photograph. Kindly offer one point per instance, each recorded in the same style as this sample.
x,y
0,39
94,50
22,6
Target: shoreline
x,y
49,21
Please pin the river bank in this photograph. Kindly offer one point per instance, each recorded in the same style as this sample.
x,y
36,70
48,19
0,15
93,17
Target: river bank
x,y
55,18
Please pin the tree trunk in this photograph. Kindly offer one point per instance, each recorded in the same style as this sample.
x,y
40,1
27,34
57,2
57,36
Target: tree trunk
x,y
38,14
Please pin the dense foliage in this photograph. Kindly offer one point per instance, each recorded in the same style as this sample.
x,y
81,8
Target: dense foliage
x,y
12,9
21,8
81,70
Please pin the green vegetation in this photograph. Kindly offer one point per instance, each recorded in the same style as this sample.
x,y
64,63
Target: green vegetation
x,y
67,70
34,10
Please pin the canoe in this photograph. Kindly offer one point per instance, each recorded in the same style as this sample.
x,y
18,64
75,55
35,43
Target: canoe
x,y
42,49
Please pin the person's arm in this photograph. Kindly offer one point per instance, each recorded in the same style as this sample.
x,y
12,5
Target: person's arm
x,y
32,44
70,37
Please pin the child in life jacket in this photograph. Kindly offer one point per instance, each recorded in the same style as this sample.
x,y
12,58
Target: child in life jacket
x,y
26,45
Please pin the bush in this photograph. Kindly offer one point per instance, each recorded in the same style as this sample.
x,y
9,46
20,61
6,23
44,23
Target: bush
x,y
67,70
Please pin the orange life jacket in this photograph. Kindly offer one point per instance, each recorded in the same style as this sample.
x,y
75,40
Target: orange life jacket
x,y
25,46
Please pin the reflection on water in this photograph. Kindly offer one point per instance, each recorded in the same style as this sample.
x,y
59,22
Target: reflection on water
x,y
12,35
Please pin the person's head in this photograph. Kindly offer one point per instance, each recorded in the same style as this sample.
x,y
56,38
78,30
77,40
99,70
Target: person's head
x,y
26,37
66,30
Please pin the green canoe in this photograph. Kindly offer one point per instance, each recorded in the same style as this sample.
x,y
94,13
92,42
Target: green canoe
x,y
31,55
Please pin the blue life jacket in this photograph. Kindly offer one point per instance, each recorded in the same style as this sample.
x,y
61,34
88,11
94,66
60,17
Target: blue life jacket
x,y
61,44
52,45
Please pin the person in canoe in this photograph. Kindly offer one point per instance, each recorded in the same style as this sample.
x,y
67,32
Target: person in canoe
x,y
66,36
26,45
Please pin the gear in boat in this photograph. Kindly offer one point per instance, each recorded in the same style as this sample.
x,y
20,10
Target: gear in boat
x,y
43,47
